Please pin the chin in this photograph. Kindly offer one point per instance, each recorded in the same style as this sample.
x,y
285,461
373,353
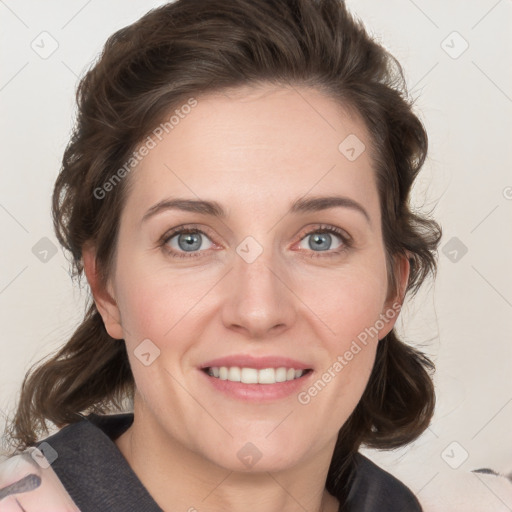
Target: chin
x,y
258,455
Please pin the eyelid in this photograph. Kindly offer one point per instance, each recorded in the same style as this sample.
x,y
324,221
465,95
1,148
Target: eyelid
x,y
328,228
199,228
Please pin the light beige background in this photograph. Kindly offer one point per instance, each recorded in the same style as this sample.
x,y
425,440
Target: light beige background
x,y
463,321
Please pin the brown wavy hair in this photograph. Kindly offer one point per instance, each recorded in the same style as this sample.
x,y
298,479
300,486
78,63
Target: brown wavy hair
x,y
147,69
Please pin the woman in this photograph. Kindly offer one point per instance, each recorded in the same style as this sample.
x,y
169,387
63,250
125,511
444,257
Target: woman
x,y
236,191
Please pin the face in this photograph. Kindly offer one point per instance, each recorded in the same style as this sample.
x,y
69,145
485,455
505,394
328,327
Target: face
x,y
282,279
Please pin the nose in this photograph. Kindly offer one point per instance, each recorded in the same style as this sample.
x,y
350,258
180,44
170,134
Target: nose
x,y
259,302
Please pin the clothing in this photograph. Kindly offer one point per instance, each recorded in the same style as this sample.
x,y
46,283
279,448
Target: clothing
x,y
98,477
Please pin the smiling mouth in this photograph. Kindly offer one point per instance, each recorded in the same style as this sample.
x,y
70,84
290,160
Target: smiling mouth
x,y
255,376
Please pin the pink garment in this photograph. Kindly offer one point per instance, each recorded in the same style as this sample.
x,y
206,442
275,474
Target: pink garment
x,y
28,483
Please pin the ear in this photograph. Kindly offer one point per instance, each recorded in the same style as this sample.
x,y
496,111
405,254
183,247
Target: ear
x,y
103,296
394,302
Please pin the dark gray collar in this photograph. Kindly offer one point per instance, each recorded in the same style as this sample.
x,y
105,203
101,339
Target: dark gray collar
x,y
98,477
94,471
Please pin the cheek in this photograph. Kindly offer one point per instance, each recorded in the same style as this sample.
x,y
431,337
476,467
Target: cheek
x,y
347,303
156,303
351,312
350,307
153,300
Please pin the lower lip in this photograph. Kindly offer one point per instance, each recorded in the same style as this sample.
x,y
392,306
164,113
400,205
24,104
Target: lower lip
x,y
258,392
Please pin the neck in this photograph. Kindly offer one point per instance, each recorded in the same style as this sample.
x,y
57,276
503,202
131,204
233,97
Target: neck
x,y
179,478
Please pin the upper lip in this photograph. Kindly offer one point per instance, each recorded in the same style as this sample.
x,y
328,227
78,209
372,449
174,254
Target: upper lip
x,y
247,361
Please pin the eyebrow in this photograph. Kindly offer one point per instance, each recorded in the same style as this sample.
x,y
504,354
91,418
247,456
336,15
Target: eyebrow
x,y
214,209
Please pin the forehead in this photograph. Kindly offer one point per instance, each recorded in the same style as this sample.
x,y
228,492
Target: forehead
x,y
256,147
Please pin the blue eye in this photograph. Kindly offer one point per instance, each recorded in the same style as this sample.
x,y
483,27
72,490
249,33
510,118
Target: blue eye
x,y
188,242
321,238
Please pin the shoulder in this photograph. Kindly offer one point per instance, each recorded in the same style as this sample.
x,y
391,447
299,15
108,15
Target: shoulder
x,y
93,470
376,490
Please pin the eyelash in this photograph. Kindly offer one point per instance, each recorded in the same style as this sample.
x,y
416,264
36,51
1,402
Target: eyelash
x,y
347,241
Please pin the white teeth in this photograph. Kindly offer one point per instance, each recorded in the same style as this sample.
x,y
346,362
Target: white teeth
x,y
267,376
254,376
234,374
249,376
281,374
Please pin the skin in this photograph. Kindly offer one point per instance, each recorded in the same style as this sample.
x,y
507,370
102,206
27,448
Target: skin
x,y
255,151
